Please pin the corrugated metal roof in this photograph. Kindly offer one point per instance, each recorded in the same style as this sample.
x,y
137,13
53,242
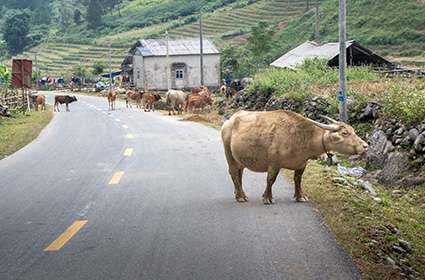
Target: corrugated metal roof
x,y
158,47
308,50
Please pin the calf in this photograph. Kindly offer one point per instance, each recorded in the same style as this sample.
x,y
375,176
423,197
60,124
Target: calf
x,y
112,97
149,99
198,102
40,100
61,99
133,96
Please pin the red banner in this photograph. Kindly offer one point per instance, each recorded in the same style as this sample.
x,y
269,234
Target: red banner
x,y
21,73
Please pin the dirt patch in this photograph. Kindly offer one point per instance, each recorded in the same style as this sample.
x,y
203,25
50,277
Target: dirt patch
x,y
212,119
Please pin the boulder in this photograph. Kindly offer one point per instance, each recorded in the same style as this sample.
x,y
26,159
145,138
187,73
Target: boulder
x,y
419,143
413,133
378,149
395,167
371,111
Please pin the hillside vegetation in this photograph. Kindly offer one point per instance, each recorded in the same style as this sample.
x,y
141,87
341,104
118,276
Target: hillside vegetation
x,y
391,28
378,25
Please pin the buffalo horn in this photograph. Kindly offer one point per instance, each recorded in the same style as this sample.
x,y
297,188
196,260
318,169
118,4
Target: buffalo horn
x,y
331,127
329,119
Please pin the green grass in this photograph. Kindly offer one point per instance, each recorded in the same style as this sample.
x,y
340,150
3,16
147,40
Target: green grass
x,y
18,131
360,224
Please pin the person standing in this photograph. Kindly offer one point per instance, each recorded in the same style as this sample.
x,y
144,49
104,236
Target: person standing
x,y
228,79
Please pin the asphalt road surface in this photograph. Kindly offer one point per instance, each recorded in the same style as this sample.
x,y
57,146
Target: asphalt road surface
x,y
135,195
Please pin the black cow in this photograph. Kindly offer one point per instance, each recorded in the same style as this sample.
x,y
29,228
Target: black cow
x,y
61,99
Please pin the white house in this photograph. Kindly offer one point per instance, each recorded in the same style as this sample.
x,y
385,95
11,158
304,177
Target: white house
x,y
147,61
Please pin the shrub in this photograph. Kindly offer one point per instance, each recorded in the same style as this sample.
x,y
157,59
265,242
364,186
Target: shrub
x,y
406,103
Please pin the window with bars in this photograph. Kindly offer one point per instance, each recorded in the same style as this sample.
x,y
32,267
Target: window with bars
x,y
179,73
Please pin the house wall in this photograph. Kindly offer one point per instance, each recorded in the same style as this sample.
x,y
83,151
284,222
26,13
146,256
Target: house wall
x,y
153,71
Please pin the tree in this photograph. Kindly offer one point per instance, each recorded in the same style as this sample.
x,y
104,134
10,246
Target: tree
x,y
98,68
259,43
5,75
77,16
94,14
16,28
42,13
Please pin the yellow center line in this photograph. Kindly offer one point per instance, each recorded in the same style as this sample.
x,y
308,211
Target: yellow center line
x,y
128,152
125,126
115,180
129,136
66,236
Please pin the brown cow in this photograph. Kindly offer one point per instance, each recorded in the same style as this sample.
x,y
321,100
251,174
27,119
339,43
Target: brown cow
x,y
134,96
200,89
149,99
61,99
40,100
112,97
198,102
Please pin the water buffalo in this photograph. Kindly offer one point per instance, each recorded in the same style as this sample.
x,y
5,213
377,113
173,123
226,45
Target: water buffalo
x,y
270,141
61,99
176,99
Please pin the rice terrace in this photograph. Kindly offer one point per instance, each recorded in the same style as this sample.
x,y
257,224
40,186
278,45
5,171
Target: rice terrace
x,y
212,139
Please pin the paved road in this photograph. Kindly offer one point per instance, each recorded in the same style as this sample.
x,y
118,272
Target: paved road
x,y
169,215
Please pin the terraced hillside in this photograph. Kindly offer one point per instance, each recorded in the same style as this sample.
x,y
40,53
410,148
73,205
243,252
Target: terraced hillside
x,y
229,21
220,25
59,58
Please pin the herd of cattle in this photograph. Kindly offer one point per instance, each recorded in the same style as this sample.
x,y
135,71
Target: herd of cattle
x,y
177,100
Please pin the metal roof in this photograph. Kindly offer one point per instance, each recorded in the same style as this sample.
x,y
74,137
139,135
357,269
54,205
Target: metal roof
x,y
308,50
158,47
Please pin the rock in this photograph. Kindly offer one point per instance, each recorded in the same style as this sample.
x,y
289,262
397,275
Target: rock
x,y
398,141
396,193
368,186
390,261
392,229
398,249
377,199
378,149
340,180
411,180
406,141
413,133
405,245
395,166
371,111
399,131
420,140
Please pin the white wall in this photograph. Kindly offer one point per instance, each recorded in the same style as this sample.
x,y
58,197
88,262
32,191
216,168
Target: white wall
x,y
155,71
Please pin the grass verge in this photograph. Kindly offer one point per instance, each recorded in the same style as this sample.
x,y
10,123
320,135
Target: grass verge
x,y
18,131
368,230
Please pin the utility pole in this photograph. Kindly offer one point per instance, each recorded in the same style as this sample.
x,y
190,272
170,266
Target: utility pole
x,y
342,96
201,44
36,73
167,70
317,24
110,67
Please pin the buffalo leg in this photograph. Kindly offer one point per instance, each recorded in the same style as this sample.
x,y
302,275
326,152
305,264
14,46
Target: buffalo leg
x,y
271,178
236,174
67,108
299,196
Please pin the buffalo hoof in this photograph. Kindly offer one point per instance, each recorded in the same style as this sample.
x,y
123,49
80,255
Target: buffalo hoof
x,y
267,200
301,198
241,199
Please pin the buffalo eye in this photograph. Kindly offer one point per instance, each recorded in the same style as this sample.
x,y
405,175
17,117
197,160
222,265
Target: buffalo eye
x,y
345,133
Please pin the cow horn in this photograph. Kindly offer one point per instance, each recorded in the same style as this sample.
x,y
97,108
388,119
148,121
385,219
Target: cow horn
x,y
331,127
328,119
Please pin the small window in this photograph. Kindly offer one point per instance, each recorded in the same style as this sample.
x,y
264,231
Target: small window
x,y
179,74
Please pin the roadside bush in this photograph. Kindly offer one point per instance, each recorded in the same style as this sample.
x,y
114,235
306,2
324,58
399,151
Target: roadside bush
x,y
299,84
406,103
